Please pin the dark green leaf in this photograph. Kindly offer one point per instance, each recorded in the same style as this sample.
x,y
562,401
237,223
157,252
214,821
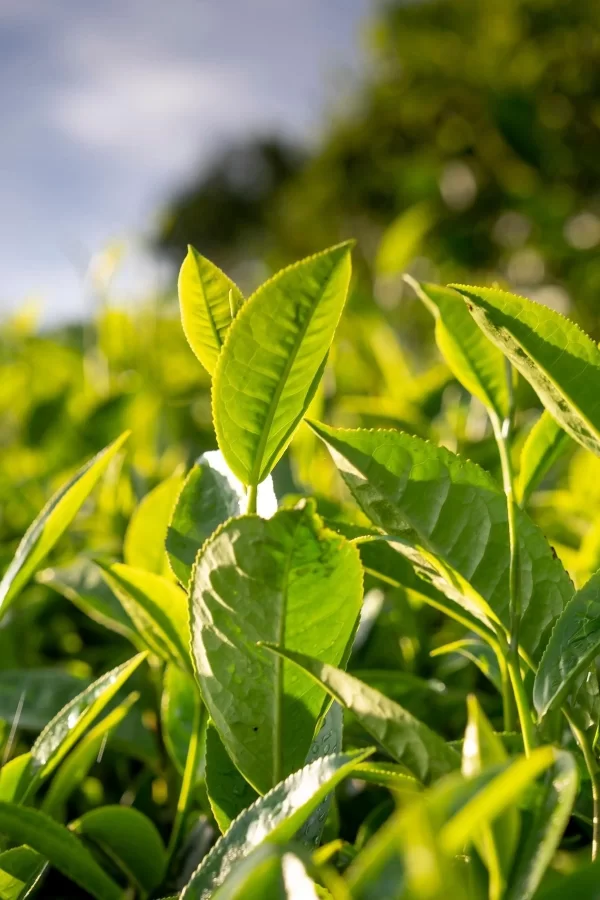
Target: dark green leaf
x,y
130,839
20,870
31,697
64,851
178,710
228,791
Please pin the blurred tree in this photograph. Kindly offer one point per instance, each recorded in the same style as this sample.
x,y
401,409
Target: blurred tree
x,y
487,112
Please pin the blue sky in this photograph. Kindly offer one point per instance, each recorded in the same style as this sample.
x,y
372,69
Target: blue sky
x,y
107,106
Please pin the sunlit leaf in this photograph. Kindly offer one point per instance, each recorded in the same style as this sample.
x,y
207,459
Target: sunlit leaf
x,y
449,518
144,544
558,359
211,495
208,301
273,359
405,738
287,580
544,445
178,708
53,520
157,607
276,818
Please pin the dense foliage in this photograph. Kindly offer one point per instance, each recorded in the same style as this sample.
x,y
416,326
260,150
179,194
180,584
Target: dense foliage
x,y
364,658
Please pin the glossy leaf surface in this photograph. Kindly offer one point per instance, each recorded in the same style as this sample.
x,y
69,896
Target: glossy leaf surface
x,y
273,359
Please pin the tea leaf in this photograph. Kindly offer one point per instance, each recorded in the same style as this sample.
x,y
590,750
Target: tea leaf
x,y
544,445
269,871
211,495
295,583
179,700
474,361
495,842
158,609
78,763
52,522
206,308
15,778
273,359
144,544
75,718
573,645
129,838
559,360
276,818
228,791
20,870
82,583
449,518
407,740
33,696
543,830
56,843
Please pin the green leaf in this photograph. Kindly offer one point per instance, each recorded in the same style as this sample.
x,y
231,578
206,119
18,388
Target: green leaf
x,y
211,495
78,763
144,544
402,239
228,791
208,301
544,445
295,583
407,740
130,839
544,827
52,522
63,850
583,883
573,645
559,360
272,872
82,583
75,718
20,870
387,775
449,518
15,778
31,697
275,818
158,608
495,842
328,740
474,361
178,712
478,652
273,359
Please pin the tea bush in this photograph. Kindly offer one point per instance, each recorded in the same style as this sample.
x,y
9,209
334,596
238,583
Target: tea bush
x,y
293,686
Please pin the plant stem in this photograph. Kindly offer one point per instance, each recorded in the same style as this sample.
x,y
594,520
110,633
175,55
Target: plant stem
x,y
187,783
508,706
503,432
251,498
594,772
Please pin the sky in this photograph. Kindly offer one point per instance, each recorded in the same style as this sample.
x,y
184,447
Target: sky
x,y
107,107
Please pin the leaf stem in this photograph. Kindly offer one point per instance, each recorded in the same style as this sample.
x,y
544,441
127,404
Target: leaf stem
x,y
251,497
187,783
503,433
594,772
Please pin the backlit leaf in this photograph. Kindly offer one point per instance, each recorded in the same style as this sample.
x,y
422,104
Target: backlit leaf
x,y
559,360
276,818
449,517
544,445
208,301
52,522
144,544
273,358
211,495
